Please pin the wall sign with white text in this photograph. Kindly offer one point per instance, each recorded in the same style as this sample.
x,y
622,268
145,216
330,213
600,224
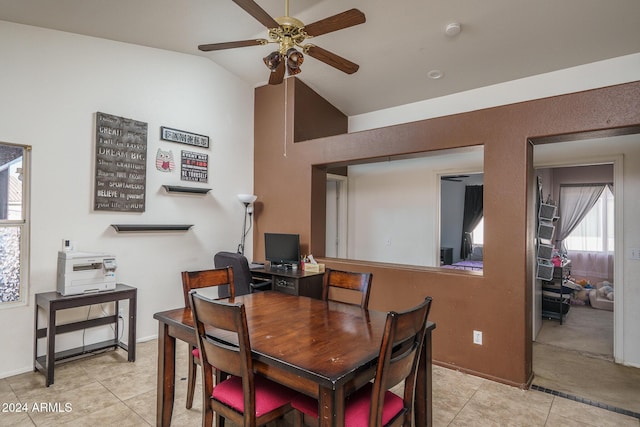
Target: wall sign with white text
x,y
121,164
189,138
194,167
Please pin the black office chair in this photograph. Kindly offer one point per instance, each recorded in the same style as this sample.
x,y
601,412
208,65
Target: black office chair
x,y
242,280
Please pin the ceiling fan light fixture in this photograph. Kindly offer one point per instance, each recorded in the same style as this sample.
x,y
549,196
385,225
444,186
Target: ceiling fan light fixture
x,y
288,33
293,71
272,60
294,59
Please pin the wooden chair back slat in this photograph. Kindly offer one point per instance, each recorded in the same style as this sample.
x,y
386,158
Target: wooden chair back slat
x,y
229,319
230,356
222,277
399,355
346,286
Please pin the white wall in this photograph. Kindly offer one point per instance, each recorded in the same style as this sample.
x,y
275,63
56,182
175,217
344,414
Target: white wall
x,y
605,73
451,216
401,198
52,85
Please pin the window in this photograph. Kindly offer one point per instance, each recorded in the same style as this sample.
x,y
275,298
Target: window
x,y
13,223
477,235
595,231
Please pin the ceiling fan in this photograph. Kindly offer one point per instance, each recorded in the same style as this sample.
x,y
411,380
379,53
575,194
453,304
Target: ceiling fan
x,y
455,178
290,33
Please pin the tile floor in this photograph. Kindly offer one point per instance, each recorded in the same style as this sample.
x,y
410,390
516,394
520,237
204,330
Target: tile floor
x,y
105,390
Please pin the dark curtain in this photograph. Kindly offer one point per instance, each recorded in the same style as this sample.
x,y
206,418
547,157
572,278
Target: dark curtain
x,y
472,216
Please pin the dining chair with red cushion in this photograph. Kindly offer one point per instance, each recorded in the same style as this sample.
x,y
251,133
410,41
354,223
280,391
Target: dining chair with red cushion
x,y
347,286
220,278
374,405
243,397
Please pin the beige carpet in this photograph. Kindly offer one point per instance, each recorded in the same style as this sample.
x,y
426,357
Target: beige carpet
x,y
577,358
586,330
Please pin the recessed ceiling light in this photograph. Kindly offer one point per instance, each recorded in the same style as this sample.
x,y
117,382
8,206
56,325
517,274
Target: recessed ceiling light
x,y
453,29
435,74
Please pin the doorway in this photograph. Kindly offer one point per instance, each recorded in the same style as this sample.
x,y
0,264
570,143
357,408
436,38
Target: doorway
x,y
336,216
564,360
584,241
562,158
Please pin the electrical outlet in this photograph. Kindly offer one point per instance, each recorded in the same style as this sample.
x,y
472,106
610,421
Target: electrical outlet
x,y
634,253
477,337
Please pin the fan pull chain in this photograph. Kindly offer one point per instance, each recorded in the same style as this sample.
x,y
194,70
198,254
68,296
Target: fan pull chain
x,y
286,86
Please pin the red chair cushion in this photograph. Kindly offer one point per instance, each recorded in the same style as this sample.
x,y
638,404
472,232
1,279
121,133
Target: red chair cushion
x,y
357,408
269,395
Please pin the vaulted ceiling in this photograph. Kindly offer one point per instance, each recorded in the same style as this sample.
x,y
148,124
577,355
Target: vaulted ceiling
x,y
396,48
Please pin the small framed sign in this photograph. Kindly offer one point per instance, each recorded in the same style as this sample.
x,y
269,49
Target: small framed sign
x,y
182,137
194,167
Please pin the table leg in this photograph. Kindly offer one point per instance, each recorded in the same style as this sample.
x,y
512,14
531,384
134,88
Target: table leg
x,y
117,324
331,407
35,338
166,376
133,309
51,345
423,396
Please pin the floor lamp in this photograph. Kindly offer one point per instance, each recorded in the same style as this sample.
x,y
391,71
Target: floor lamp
x,y
247,200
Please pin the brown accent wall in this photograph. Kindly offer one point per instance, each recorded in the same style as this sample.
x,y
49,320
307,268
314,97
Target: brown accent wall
x,y
315,119
289,181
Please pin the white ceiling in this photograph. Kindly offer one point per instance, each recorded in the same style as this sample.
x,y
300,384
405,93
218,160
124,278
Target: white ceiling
x,y
400,43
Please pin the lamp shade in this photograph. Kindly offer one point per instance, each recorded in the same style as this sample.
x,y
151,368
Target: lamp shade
x,y
272,60
247,198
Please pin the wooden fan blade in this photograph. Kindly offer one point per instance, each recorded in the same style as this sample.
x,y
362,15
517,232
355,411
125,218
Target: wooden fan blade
x,y
332,59
342,20
277,76
257,12
231,45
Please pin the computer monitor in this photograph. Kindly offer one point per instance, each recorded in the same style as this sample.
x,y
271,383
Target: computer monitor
x,y
282,249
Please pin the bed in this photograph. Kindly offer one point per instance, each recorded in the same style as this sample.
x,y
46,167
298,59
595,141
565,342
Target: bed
x,y
474,262
465,265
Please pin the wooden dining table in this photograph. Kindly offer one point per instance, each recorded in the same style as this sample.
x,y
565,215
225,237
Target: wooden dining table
x,y
321,348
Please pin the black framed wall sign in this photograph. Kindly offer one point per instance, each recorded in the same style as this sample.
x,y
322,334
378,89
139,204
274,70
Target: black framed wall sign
x,y
194,167
121,164
183,137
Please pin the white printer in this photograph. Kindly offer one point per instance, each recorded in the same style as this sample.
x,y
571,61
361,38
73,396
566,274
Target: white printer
x,y
84,272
